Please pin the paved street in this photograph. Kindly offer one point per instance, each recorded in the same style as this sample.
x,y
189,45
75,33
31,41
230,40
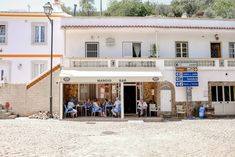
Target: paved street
x,y
28,137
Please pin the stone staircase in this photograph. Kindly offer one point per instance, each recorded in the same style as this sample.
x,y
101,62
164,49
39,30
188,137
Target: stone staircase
x,y
4,114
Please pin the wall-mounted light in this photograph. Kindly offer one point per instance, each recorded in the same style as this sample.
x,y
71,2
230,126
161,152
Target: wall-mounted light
x,y
1,50
152,91
216,37
19,66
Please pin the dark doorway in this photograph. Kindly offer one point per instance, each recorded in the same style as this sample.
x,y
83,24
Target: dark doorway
x,y
130,99
215,50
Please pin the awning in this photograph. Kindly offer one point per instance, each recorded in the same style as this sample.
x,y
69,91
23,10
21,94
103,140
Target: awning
x,y
78,76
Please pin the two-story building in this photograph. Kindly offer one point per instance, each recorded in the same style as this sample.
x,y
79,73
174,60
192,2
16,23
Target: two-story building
x,y
140,57
165,61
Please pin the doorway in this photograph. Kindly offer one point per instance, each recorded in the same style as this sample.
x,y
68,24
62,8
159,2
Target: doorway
x,y
215,50
166,104
130,99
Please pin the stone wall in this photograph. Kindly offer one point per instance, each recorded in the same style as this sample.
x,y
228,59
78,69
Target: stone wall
x,y
27,101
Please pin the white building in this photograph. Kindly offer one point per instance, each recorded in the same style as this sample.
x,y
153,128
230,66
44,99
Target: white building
x,y
131,58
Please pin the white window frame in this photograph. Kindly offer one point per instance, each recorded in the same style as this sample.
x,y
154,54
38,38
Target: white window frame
x,y
97,52
40,63
231,54
132,53
181,49
5,35
40,41
223,93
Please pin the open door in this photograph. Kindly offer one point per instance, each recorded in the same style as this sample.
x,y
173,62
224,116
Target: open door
x,y
215,50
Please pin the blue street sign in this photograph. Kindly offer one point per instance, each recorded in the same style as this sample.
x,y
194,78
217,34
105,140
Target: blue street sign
x,y
186,79
187,84
186,74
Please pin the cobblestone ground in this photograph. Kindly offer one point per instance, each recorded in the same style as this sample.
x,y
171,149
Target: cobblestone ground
x,y
53,138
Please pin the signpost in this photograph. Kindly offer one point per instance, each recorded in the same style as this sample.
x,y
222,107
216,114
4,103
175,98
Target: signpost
x,y
186,76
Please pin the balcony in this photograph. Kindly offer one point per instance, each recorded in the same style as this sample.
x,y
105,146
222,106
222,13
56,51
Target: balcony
x,y
144,63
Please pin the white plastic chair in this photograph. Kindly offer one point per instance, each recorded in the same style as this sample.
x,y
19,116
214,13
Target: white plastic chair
x,y
152,108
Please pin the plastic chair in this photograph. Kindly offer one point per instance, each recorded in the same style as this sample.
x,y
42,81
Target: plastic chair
x,y
152,108
180,110
96,109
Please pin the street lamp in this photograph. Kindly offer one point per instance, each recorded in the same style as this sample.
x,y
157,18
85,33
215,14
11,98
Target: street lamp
x,y
48,11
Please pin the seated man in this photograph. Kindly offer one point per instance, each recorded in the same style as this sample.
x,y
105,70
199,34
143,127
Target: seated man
x,y
108,107
117,107
142,108
71,109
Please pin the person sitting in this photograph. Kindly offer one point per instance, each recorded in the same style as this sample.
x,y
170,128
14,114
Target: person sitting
x,y
109,107
117,107
70,108
103,107
142,108
96,107
88,107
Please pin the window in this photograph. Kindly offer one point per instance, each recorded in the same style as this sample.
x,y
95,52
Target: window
x,y
232,50
131,49
181,49
222,93
87,91
38,68
2,34
39,33
92,49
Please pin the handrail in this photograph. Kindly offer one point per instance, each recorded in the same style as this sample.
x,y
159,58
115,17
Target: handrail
x,y
41,77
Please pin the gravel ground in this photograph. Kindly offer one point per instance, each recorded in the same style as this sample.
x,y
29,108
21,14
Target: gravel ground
x,y
29,137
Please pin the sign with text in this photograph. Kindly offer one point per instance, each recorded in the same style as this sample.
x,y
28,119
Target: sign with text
x,y
186,77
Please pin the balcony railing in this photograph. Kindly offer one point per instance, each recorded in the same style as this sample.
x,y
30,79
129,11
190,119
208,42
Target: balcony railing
x,y
146,63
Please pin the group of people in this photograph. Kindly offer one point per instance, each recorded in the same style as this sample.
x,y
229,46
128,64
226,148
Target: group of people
x,y
106,108
89,107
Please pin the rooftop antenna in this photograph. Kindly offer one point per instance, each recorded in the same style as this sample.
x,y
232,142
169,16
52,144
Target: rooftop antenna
x,y
29,7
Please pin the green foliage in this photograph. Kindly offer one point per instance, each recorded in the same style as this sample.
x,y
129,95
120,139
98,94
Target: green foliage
x,y
130,8
192,8
87,7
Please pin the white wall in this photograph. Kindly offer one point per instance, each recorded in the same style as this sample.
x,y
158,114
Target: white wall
x,y
198,41
200,93
76,42
19,36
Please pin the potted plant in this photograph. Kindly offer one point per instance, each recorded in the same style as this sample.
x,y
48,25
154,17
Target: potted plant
x,y
153,50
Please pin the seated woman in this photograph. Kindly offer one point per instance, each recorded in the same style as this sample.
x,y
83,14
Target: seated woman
x,y
70,108
96,107
142,108
117,107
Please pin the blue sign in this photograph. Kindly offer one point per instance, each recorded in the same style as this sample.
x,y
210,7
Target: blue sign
x,y
186,74
187,84
187,79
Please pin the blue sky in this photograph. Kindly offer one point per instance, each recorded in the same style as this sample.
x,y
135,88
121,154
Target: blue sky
x,y
36,5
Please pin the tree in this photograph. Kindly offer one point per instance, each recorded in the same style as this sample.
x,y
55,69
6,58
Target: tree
x,y
66,9
190,7
224,8
87,7
130,8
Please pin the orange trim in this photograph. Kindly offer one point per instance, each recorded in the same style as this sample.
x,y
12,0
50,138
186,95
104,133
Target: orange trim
x,y
28,15
31,84
30,55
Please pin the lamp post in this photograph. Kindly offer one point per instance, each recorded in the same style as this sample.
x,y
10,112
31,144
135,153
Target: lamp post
x,y
48,11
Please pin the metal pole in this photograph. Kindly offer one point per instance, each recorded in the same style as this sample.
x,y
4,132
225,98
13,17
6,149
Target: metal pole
x,y
101,10
51,97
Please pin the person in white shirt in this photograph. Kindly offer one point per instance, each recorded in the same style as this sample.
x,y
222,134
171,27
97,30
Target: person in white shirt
x,y
142,108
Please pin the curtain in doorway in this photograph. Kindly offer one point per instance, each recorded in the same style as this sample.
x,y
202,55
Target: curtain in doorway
x,y
136,50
